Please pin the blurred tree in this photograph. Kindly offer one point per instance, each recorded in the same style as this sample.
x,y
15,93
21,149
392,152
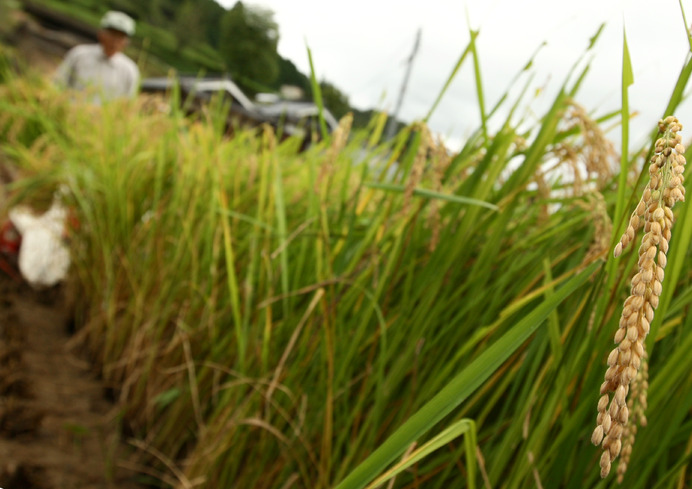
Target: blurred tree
x,y
334,99
212,13
154,12
248,40
169,9
289,75
8,11
133,8
187,26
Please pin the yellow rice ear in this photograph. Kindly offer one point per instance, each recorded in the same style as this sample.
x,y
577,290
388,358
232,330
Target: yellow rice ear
x,y
627,366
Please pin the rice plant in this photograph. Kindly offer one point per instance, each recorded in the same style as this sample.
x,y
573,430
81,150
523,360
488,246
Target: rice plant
x,y
369,313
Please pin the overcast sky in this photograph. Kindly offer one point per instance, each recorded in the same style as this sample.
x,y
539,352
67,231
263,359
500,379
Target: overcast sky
x,y
361,46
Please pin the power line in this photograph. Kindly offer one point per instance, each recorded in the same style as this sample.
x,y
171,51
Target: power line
x,y
391,127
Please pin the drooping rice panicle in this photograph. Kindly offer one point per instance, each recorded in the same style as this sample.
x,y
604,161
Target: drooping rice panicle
x,y
637,407
654,212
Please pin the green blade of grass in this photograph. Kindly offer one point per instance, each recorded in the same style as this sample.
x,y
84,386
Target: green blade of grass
x,y
317,94
479,83
456,391
451,77
462,427
627,81
684,22
430,194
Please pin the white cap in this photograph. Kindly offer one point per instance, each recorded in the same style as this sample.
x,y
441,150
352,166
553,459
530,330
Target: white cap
x,y
118,21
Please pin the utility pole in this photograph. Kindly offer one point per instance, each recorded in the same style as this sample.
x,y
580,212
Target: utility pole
x,y
391,127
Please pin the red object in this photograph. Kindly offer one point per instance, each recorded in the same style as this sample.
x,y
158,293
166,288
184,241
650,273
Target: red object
x,y
72,223
10,239
10,242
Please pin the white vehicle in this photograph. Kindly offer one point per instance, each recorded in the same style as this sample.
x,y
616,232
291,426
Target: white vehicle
x,y
290,118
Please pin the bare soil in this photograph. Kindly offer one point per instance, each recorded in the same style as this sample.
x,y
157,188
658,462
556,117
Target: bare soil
x,y
57,428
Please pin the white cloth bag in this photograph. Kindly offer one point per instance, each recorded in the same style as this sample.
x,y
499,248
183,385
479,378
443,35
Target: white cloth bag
x,y
44,259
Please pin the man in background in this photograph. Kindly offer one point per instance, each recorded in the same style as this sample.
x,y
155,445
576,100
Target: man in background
x,y
103,69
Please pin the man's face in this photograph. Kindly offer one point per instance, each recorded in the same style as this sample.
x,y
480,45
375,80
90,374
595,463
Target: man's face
x,y
112,41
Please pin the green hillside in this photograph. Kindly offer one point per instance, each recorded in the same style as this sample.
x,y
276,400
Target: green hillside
x,y
201,37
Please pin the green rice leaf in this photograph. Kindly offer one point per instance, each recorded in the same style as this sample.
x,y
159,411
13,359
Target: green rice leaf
x,y
430,194
461,387
462,427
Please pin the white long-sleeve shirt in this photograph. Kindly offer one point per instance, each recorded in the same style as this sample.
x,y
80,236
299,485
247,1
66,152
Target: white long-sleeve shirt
x,y
86,67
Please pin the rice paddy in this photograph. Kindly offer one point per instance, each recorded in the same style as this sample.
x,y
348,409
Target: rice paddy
x,y
368,312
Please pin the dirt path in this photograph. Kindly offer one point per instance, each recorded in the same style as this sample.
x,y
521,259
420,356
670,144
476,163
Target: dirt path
x,y
57,430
